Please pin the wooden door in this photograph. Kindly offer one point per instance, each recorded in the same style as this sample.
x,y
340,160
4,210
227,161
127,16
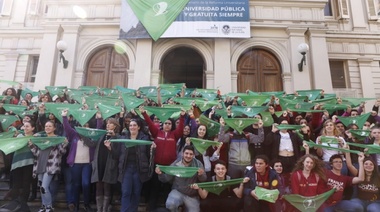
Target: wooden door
x,y
259,71
107,69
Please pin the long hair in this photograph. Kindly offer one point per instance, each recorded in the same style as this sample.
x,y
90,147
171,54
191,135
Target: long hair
x,y
318,167
375,178
116,123
335,132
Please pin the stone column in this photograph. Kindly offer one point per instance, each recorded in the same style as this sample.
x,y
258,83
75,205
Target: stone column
x,y
142,73
222,67
11,59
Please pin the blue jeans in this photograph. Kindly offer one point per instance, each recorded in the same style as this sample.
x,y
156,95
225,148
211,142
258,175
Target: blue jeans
x,y
176,199
355,205
45,180
81,177
131,189
68,184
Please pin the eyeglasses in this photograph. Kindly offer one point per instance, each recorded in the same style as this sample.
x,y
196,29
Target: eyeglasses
x,y
167,123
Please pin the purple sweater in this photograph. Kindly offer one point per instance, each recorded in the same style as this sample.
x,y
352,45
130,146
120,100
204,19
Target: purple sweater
x,y
73,137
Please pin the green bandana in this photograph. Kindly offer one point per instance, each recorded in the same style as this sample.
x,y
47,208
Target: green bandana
x,y
108,91
179,171
7,120
248,111
267,118
329,140
13,144
157,16
57,108
205,105
372,149
209,94
311,94
17,109
334,107
5,135
312,144
213,127
7,99
27,112
308,204
254,101
177,86
267,194
56,90
148,90
184,100
95,100
46,142
288,127
13,83
217,187
94,134
307,111
130,143
239,124
131,102
26,91
201,145
125,90
360,134
83,116
356,101
269,93
162,113
331,101
108,111
358,120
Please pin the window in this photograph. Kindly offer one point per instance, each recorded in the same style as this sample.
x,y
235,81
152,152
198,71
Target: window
x,y
32,71
338,75
341,9
328,10
372,9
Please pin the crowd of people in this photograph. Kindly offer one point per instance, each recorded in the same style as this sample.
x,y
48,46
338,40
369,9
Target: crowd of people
x,y
304,143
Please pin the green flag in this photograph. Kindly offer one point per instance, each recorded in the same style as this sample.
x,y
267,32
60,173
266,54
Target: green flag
x,y
267,118
13,144
252,101
213,127
9,82
6,99
7,120
308,204
205,104
201,145
358,120
17,109
26,91
329,140
217,187
148,90
311,94
8,134
56,90
267,194
125,90
131,102
288,127
312,144
83,116
360,134
334,107
95,100
46,142
27,112
162,113
239,124
108,110
179,171
356,101
372,149
248,111
57,108
131,143
157,16
185,100
94,134
209,94
306,111
331,100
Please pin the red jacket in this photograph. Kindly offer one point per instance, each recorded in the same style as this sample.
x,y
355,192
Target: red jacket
x,y
166,141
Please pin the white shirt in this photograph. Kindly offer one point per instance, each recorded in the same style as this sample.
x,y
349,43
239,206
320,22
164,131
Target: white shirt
x,y
286,142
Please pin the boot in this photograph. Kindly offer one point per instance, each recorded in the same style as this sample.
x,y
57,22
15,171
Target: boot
x,y
106,203
99,203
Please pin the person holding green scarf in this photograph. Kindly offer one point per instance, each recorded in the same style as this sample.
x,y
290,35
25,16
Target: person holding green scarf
x,y
181,192
47,166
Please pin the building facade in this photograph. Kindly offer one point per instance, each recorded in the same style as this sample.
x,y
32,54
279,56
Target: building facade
x,y
343,36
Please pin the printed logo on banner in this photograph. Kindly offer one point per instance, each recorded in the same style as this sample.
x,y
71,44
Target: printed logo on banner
x,y
226,29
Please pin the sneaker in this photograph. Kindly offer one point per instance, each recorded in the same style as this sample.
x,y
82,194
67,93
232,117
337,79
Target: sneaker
x,y
88,208
49,209
71,207
42,209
